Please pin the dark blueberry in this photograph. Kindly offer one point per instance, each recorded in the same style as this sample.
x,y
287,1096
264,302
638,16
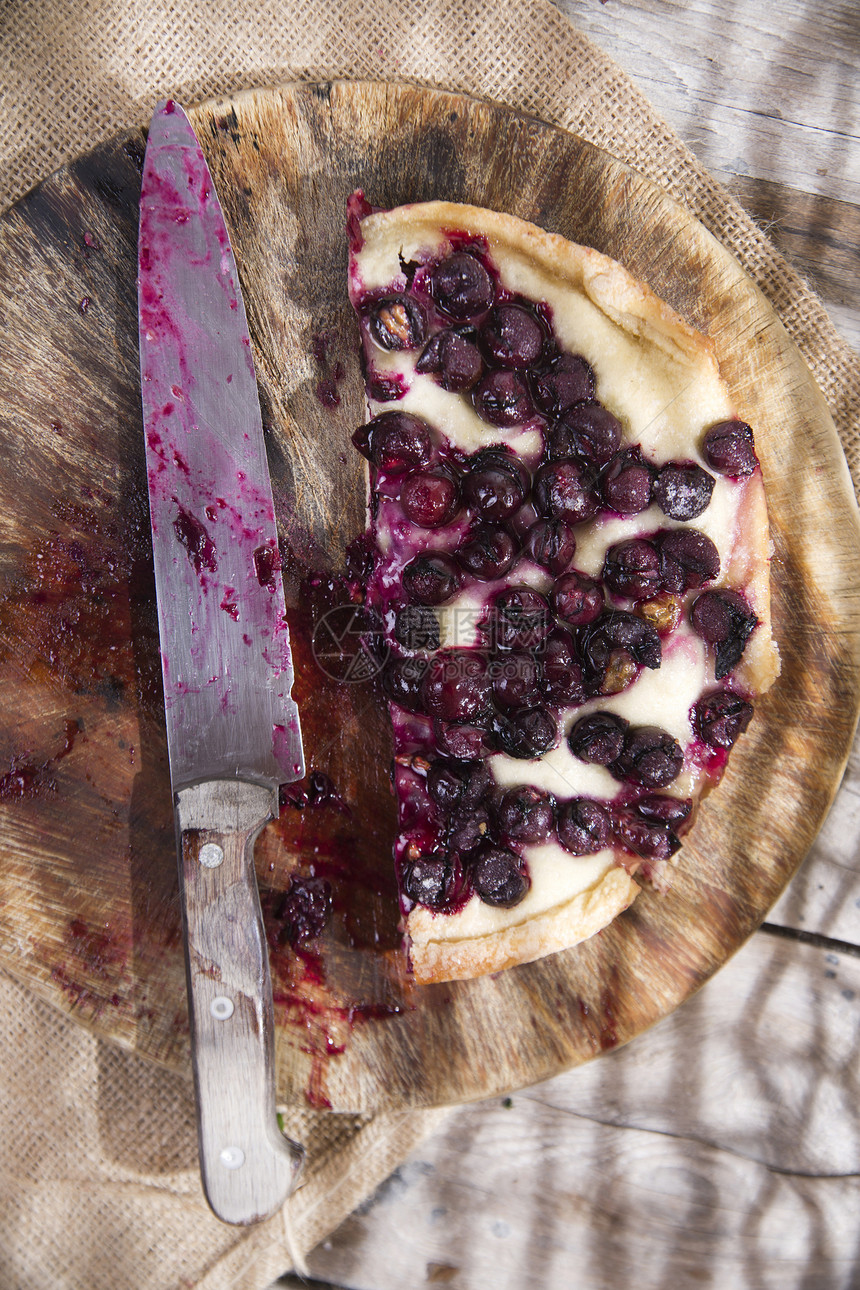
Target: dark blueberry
x,y
417,627
512,337
360,558
561,492
502,399
526,814
525,734
595,653
688,559
646,838
430,498
453,360
588,431
712,614
626,483
488,552
304,910
683,490
616,630
568,380
551,544
461,286
577,599
665,810
650,757
628,632
458,740
598,738
721,717
478,782
445,784
519,618
516,683
458,783
632,569
562,674
724,619
385,387
395,441
396,323
498,876
431,579
729,449
523,520
496,485
468,826
322,791
457,687
427,880
582,826
402,679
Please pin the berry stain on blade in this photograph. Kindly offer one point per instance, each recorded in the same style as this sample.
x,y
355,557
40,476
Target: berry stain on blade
x,y
193,536
545,556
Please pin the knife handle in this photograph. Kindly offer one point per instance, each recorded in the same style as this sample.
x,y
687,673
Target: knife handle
x,y
247,1165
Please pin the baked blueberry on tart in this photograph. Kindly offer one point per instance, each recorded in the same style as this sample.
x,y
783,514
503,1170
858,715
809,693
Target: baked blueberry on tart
x,y
570,564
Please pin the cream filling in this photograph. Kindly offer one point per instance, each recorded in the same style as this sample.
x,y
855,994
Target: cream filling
x,y
557,877
665,396
451,413
663,697
460,617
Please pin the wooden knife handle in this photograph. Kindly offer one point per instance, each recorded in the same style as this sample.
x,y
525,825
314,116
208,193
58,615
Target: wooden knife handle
x,y
247,1165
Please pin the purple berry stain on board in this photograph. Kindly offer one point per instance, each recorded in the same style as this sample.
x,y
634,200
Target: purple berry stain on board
x,y
28,777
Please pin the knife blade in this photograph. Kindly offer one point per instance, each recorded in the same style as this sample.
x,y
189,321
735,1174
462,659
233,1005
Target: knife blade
x,y
233,731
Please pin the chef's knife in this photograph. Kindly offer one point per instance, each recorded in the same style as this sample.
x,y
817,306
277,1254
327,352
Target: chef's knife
x,y
232,726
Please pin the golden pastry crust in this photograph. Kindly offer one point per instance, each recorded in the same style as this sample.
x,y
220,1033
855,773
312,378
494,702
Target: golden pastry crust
x,y
627,301
556,929
749,568
661,378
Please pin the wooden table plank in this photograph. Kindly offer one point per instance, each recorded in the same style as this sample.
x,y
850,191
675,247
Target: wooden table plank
x,y
768,98
727,1139
819,235
824,896
768,91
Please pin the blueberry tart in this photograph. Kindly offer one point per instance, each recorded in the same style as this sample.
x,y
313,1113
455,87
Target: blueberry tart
x,y
571,569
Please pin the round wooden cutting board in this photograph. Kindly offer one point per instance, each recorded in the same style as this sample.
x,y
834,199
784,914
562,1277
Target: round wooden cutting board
x,y
89,914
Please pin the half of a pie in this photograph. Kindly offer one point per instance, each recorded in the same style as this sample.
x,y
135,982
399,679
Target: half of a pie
x,y
570,571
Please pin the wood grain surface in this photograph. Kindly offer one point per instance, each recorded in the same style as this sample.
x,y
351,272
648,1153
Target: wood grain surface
x,y
766,98
88,906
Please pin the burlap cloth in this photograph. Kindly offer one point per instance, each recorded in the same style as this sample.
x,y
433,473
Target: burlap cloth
x,y
99,1184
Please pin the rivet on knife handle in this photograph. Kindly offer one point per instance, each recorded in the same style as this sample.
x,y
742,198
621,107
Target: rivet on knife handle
x,y
247,1165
